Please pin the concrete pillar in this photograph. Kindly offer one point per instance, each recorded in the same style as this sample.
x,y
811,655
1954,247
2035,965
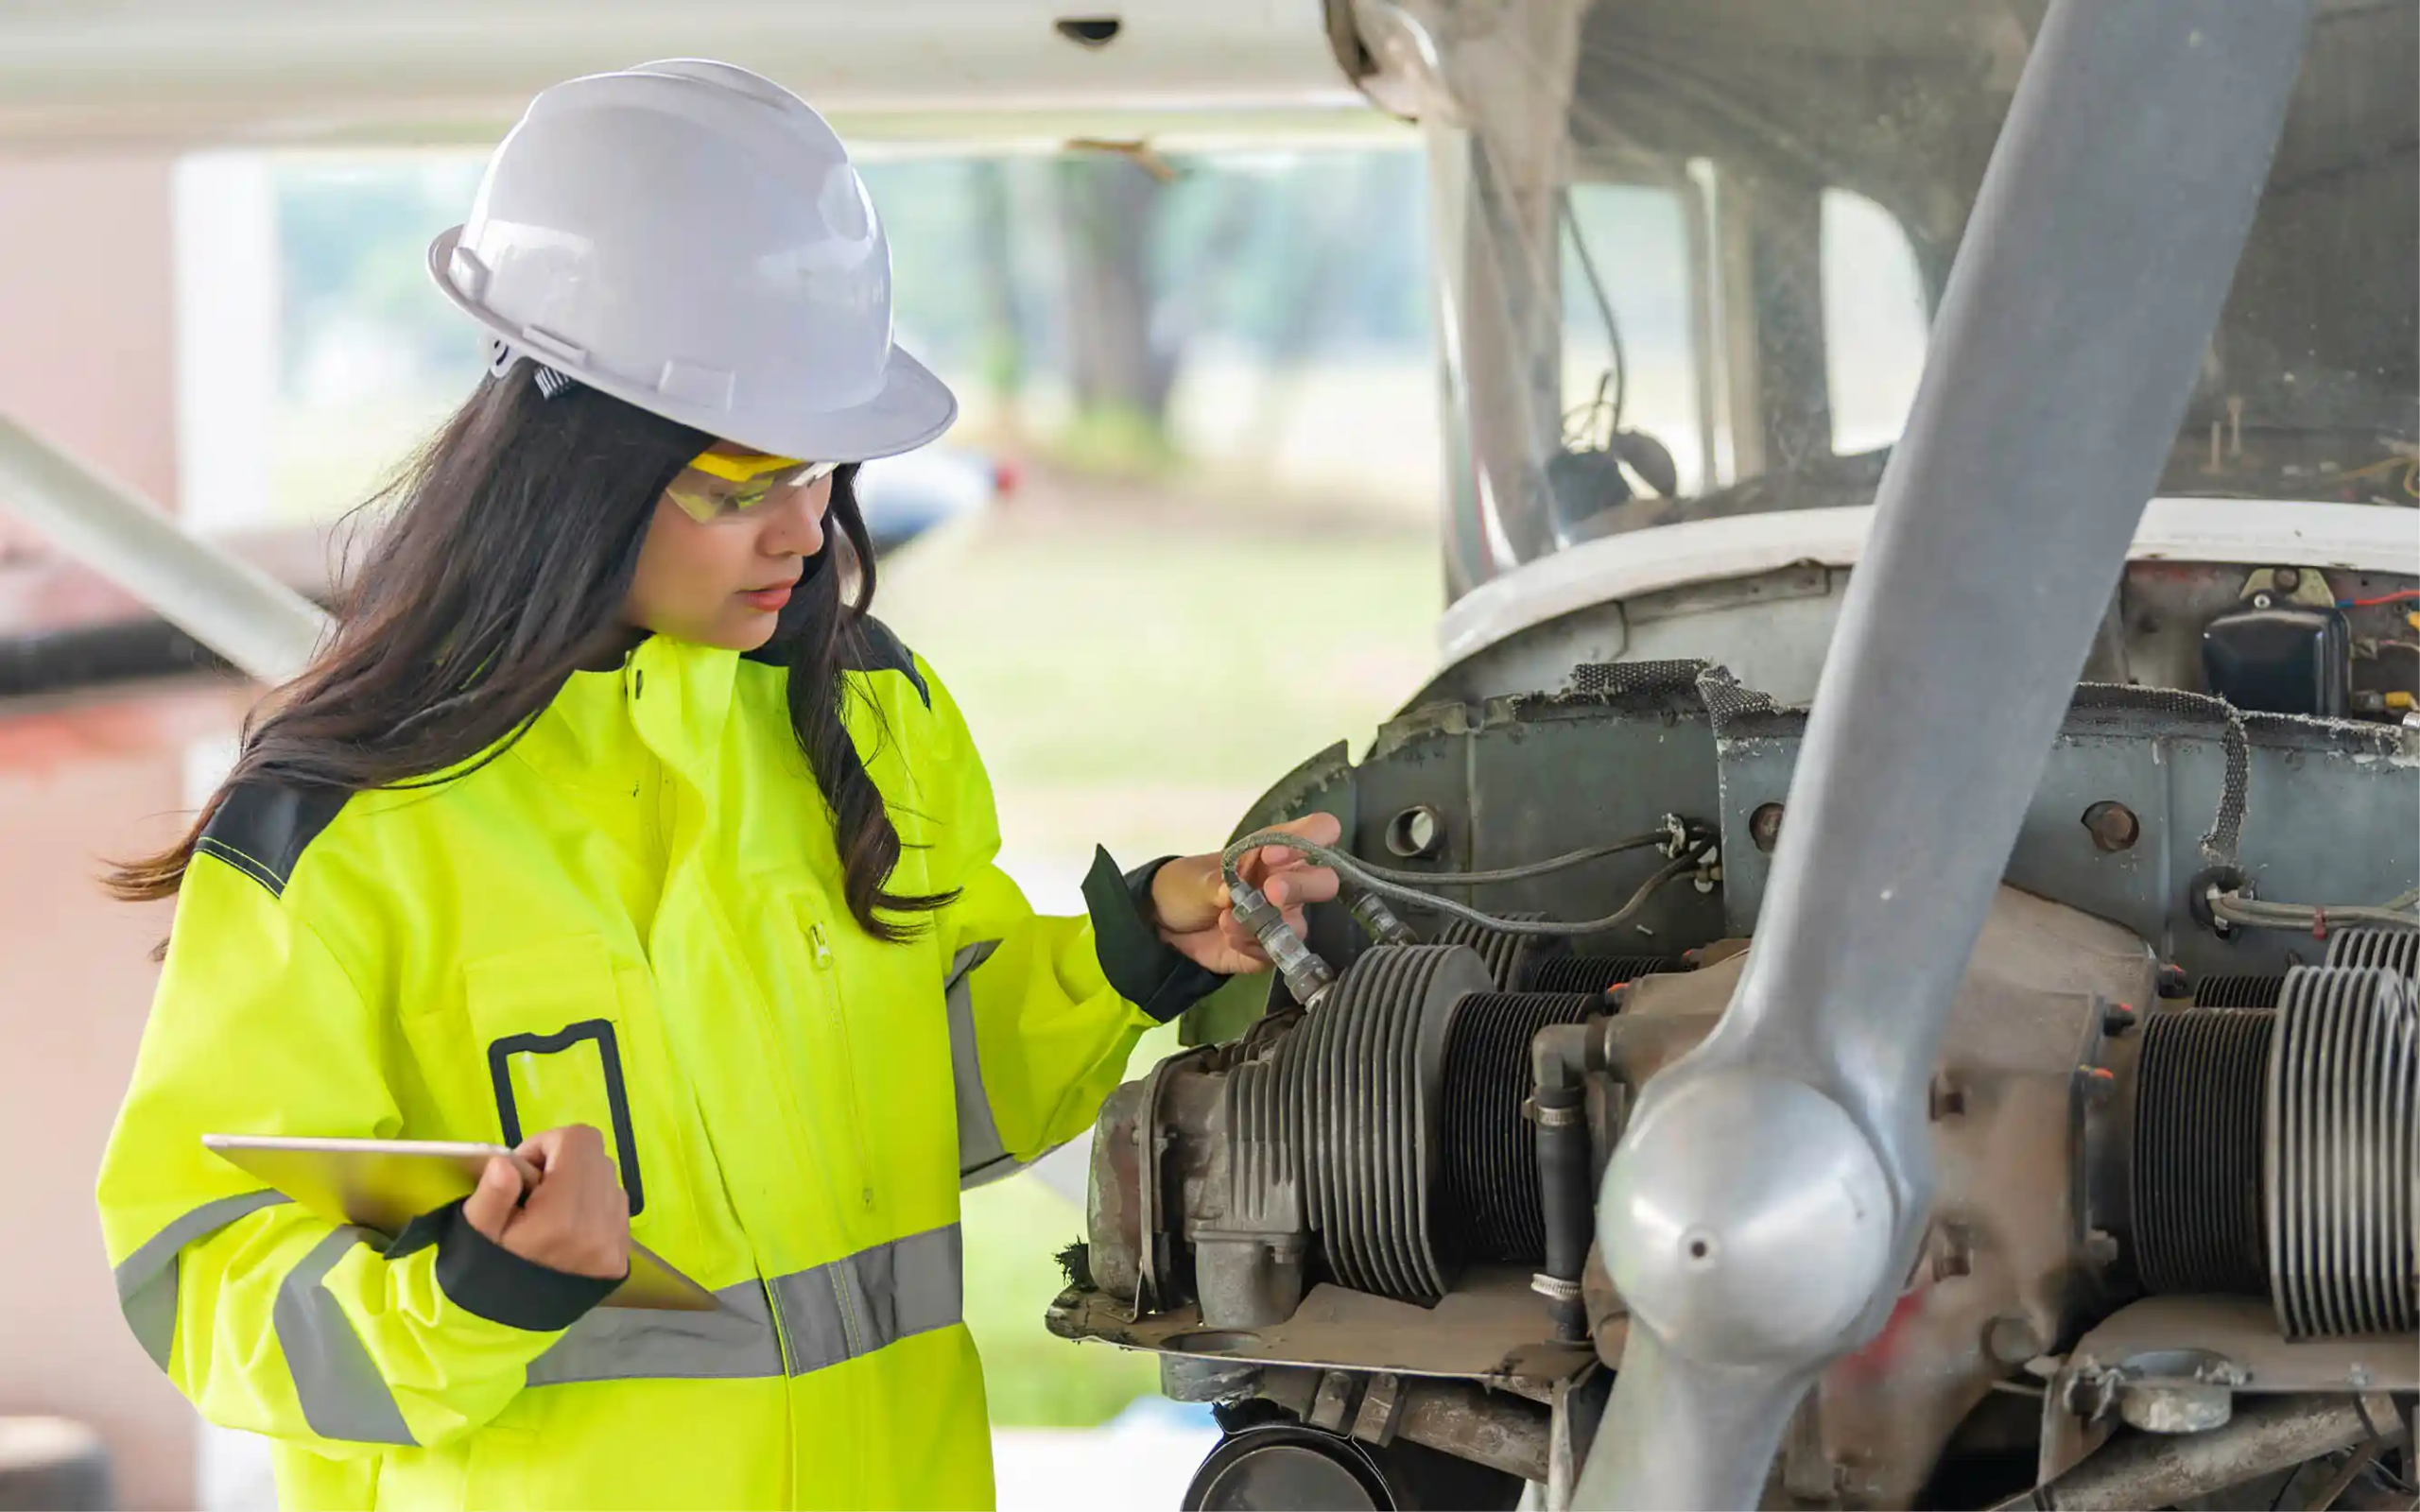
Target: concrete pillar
x,y
88,355
87,323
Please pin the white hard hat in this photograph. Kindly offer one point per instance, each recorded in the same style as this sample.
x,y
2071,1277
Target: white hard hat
x,y
689,237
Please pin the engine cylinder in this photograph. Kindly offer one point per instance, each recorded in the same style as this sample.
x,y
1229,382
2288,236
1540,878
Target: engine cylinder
x,y
1360,1083
2277,1152
1394,1114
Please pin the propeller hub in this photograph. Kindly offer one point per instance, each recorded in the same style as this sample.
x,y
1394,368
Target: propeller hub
x,y
1746,1219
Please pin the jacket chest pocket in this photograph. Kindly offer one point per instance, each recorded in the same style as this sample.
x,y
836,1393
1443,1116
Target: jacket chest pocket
x,y
546,1024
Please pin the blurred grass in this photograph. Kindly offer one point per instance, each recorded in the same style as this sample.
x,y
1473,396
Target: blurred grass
x,y
1137,678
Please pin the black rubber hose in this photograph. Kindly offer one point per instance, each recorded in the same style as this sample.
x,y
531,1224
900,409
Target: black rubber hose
x,y
1563,1198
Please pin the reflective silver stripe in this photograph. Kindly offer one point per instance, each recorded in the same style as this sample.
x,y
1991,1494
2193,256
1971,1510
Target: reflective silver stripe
x,y
338,1385
862,1302
981,1156
829,1313
621,1342
147,1280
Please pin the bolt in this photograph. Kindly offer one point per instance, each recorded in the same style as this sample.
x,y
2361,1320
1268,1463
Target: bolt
x,y
2012,1339
1764,826
2173,983
2113,825
2100,1248
2096,1085
2119,1017
2286,578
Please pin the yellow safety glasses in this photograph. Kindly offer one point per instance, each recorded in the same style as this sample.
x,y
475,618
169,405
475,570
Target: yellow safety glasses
x,y
716,486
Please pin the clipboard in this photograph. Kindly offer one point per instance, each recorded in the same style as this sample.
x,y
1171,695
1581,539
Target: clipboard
x,y
384,1184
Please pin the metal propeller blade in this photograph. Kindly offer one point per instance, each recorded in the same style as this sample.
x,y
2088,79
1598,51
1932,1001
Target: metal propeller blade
x,y
1765,1205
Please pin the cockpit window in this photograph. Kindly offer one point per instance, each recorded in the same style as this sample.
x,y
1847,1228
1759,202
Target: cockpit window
x,y
1694,246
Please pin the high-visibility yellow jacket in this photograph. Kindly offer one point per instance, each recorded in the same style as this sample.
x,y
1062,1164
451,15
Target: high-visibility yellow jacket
x,y
631,918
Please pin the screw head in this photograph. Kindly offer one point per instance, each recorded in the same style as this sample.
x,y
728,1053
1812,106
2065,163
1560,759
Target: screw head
x,y
2113,826
2286,578
1764,826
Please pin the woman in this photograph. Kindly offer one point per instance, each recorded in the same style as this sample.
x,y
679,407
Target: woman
x,y
609,827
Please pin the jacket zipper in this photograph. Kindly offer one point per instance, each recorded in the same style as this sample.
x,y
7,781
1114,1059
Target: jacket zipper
x,y
834,1005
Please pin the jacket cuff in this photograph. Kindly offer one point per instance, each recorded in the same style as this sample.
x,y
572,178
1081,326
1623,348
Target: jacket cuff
x,y
1144,969
481,1275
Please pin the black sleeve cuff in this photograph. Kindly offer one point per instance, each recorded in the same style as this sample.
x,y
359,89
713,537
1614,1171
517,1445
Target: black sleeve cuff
x,y
479,1276
1146,969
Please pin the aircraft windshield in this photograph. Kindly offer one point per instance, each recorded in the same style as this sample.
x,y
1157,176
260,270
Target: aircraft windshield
x,y
1693,248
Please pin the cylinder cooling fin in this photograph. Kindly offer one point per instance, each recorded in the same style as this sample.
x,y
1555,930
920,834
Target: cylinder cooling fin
x,y
2344,1078
2388,949
2238,990
1597,974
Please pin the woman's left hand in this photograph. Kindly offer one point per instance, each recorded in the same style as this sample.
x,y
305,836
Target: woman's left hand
x,y
1196,916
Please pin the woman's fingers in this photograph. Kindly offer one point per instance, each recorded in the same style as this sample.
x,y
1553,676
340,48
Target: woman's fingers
x,y
1298,885
490,1208
578,1219
1319,829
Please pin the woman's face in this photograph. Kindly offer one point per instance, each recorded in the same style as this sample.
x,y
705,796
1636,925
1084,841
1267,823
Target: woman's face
x,y
728,542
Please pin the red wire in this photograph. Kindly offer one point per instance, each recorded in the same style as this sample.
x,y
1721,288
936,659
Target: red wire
x,y
2386,599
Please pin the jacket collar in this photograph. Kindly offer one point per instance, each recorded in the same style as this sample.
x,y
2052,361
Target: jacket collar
x,y
669,701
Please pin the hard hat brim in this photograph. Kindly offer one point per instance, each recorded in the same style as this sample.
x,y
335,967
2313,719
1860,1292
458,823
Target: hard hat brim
x,y
913,409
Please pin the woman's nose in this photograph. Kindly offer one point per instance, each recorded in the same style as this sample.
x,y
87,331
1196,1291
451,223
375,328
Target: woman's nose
x,y
795,526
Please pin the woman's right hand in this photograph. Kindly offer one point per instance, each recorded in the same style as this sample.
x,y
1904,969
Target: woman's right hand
x,y
577,1218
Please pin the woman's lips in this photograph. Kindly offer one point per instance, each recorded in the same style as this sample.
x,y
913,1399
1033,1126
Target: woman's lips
x,y
768,599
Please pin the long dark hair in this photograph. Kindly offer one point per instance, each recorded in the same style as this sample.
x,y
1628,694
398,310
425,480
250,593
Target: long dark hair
x,y
500,569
